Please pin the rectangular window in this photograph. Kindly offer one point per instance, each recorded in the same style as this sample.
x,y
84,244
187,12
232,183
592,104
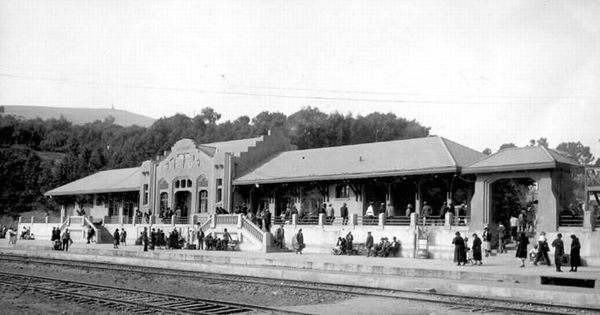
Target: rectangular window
x,y
219,189
342,191
145,194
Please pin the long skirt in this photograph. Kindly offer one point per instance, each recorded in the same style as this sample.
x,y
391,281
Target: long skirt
x,y
487,246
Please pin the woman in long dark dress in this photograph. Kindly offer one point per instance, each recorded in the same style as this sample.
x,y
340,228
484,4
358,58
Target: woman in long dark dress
x,y
522,248
575,256
460,253
476,249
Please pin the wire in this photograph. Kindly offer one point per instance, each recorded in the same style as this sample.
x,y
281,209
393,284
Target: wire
x,y
207,91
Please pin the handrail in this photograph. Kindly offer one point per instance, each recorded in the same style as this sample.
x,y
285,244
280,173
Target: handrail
x,y
227,219
86,221
252,229
206,225
65,223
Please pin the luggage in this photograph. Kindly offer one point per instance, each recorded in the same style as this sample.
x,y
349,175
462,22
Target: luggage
x,y
57,245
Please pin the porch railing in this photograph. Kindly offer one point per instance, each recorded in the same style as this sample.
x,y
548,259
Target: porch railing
x,y
112,220
181,220
308,220
368,220
401,221
227,219
569,220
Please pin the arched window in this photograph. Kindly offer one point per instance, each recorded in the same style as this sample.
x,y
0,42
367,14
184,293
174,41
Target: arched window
x,y
203,205
164,201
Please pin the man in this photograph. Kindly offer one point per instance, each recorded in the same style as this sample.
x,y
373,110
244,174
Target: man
x,y
145,239
514,225
443,210
426,211
559,251
123,237
90,234
409,210
298,242
349,241
369,244
542,250
267,219
66,240
501,236
344,214
116,239
153,239
394,247
226,239
330,214
280,236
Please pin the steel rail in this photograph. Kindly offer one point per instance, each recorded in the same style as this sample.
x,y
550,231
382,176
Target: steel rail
x,y
137,301
453,301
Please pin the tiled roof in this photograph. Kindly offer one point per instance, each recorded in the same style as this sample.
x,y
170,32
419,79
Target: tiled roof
x,y
391,158
516,159
126,179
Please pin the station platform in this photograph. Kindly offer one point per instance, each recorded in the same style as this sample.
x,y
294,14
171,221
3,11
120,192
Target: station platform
x,y
499,277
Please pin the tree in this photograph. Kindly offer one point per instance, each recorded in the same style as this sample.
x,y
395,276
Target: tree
x,y
577,151
487,151
541,142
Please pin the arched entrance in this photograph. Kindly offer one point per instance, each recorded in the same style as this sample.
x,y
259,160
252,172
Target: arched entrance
x,y
183,201
512,197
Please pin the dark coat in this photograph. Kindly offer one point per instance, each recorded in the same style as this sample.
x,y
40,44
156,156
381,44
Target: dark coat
x,y
460,252
522,247
343,211
116,238
559,247
476,248
575,256
369,242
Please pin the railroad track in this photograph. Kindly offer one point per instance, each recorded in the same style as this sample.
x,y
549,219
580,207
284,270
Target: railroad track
x,y
129,301
453,302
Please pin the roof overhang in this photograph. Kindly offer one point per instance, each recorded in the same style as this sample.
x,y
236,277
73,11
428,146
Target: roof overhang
x,y
449,169
91,191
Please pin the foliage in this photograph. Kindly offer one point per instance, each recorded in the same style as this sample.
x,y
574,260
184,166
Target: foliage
x,y
578,151
39,155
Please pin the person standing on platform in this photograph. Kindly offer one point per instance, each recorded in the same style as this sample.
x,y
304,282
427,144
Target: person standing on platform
x,y
543,250
344,214
145,239
280,236
90,234
409,210
522,243
369,243
153,239
116,239
349,241
123,237
476,248
226,238
200,236
487,241
575,249
514,225
501,236
298,242
426,211
330,214
559,251
460,253
443,210
66,240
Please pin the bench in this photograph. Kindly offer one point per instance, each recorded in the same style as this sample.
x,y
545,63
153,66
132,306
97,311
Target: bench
x,y
232,245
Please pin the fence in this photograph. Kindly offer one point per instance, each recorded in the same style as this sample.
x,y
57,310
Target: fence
x,y
368,220
308,220
570,220
110,220
181,220
400,221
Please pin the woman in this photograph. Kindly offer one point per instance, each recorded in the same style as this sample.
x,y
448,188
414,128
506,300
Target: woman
x,y
476,248
116,239
487,241
575,257
460,254
523,241
298,242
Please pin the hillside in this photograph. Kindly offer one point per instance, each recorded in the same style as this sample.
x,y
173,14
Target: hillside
x,y
78,116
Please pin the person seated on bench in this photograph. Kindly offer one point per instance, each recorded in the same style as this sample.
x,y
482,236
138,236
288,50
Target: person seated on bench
x,y
340,246
209,242
349,241
384,247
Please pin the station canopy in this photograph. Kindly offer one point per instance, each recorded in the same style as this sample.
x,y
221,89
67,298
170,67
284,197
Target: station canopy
x,y
522,159
118,180
429,155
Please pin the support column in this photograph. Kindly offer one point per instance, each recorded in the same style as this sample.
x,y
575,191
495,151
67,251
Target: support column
x,y
381,222
418,199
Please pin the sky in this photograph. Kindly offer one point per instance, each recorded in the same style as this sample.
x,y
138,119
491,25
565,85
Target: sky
x,y
481,73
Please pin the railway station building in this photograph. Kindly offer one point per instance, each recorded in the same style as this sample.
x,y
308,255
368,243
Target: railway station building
x,y
406,182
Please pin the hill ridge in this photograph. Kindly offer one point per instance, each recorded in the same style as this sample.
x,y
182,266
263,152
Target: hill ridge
x,y
78,115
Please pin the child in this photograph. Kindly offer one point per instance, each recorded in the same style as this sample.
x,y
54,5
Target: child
x,y
469,251
533,252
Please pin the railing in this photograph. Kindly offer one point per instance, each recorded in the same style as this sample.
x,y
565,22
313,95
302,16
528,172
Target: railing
x,y
433,221
181,220
206,225
570,220
402,221
39,220
308,220
127,220
112,220
89,223
54,220
461,220
331,221
64,224
252,229
279,220
76,220
227,219
368,220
